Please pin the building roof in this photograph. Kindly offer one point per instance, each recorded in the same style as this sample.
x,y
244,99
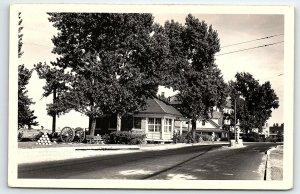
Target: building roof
x,y
213,123
156,106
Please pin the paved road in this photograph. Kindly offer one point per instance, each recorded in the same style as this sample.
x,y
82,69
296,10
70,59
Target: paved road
x,y
210,162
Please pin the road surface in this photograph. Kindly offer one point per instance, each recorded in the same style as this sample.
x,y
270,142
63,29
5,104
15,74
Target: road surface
x,y
209,162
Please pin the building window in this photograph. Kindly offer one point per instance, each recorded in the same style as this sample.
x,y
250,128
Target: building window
x,y
203,122
168,125
154,124
137,122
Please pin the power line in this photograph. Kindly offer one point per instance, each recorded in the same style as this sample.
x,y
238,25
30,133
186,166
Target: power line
x,y
38,44
251,48
267,37
281,74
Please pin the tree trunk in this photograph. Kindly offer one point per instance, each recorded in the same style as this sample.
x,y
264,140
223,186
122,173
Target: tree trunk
x,y
90,122
92,119
53,123
119,122
93,126
54,114
193,131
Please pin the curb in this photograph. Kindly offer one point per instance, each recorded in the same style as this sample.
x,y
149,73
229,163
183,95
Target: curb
x,y
268,170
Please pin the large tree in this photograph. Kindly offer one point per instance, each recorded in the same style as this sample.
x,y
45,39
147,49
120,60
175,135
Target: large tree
x,y
56,84
25,115
254,101
115,60
193,71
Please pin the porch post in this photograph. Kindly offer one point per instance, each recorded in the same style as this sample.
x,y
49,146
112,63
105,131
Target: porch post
x,y
172,128
146,125
180,129
162,127
119,122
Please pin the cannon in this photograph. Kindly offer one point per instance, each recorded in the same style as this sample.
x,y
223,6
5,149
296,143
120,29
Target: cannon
x,y
68,135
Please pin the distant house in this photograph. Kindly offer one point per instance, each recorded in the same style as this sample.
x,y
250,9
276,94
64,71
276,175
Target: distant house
x,y
204,127
276,132
263,132
156,121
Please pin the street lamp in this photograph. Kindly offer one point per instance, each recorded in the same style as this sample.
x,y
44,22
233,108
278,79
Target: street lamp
x,y
236,135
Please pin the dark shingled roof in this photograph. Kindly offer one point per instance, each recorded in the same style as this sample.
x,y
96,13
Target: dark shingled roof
x,y
156,106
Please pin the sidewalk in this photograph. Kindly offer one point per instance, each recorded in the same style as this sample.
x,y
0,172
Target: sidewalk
x,y
75,151
275,164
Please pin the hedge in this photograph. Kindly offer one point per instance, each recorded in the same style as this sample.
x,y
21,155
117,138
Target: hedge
x,y
124,137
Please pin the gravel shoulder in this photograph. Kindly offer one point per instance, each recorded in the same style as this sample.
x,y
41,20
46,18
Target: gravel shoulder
x,y
275,164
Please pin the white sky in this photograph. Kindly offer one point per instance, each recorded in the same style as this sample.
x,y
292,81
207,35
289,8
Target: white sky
x,y
263,63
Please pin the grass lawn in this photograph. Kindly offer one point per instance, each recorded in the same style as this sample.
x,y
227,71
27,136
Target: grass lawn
x,y
32,144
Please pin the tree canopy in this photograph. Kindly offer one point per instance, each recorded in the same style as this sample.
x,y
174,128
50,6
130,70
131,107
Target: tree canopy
x,y
193,71
25,115
115,60
57,81
255,101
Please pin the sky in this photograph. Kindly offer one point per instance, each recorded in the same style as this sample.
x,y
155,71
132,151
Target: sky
x,y
265,64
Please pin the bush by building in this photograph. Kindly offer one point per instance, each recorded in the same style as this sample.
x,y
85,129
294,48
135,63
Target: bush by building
x,y
124,137
188,138
251,137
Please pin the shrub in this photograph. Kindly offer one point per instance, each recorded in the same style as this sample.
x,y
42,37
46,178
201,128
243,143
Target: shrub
x,y
124,137
54,136
186,138
250,137
29,135
224,139
270,139
177,138
20,136
106,138
205,137
189,138
137,139
197,137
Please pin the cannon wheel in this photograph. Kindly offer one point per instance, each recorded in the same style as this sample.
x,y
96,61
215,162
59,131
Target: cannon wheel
x,y
67,135
79,135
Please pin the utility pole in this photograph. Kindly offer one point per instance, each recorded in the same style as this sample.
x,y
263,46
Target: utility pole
x,y
235,135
